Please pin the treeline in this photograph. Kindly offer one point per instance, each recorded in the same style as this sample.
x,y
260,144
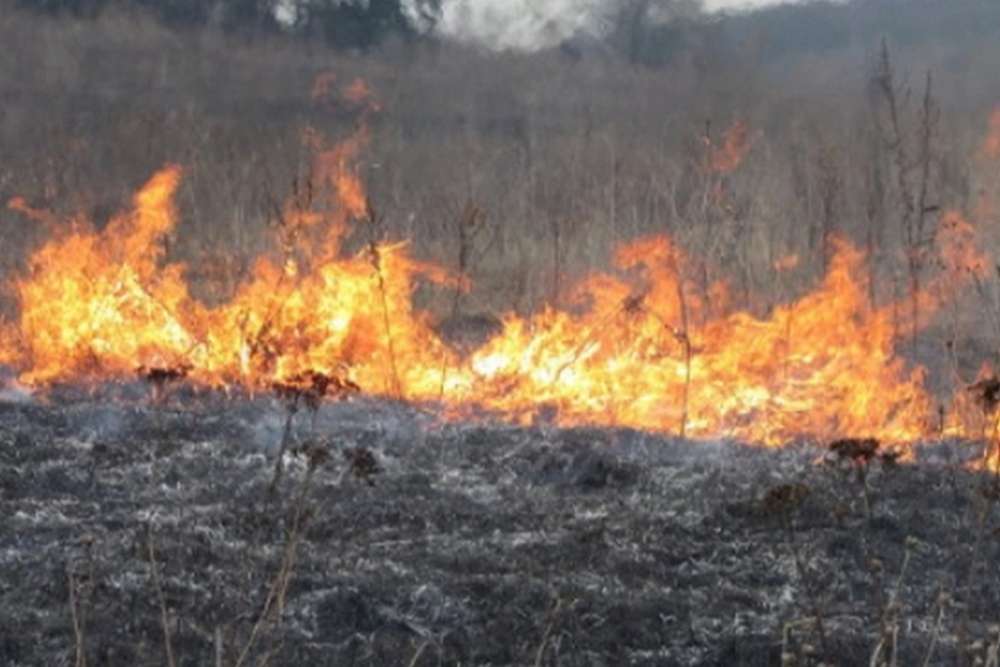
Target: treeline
x,y
653,33
793,30
350,24
566,151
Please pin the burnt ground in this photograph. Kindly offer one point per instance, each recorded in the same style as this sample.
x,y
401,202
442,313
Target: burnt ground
x,y
473,544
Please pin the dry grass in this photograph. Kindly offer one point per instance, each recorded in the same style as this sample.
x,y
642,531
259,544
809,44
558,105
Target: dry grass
x,y
563,158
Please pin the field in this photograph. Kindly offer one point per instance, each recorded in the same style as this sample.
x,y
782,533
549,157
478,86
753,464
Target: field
x,y
475,544
427,354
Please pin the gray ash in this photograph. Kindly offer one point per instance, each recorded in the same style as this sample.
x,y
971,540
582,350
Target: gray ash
x,y
478,543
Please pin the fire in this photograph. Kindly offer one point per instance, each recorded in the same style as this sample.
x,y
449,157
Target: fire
x,y
97,302
735,146
991,147
323,86
640,347
361,95
821,366
643,345
786,263
959,246
103,304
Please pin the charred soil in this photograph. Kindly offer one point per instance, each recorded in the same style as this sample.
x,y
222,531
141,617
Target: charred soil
x,y
394,537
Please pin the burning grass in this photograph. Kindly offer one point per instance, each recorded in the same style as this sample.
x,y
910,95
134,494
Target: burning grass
x,y
644,345
641,347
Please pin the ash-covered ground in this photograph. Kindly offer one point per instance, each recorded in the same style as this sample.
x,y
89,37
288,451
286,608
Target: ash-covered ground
x,y
472,543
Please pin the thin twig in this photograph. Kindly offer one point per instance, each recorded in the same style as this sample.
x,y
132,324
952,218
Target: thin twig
x,y
419,653
889,614
806,582
274,604
549,627
164,616
286,437
375,257
78,632
935,635
219,647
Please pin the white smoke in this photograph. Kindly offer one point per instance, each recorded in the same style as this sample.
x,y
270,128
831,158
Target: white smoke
x,y
529,25
520,25
526,25
740,5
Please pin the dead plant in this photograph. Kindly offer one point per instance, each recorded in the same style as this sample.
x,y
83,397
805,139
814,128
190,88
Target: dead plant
x,y
552,618
784,501
362,464
82,588
309,388
469,226
274,604
77,617
886,651
168,645
912,169
375,224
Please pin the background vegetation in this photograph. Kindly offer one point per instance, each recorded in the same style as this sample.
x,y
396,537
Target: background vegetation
x,y
564,151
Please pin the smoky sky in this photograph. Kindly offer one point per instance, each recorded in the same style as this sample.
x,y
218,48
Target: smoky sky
x,y
528,25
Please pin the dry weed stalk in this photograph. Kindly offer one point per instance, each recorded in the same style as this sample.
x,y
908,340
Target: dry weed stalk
x,y
291,408
993,649
683,337
552,618
374,224
914,194
161,598
943,600
274,604
310,388
635,304
860,453
886,651
290,230
77,611
987,394
76,614
470,224
784,500
419,653
159,377
788,657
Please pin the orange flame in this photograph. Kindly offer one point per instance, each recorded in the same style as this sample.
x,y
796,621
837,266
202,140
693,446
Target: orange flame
x,y
786,263
96,302
43,218
359,94
991,147
959,246
642,346
644,352
323,86
821,366
735,146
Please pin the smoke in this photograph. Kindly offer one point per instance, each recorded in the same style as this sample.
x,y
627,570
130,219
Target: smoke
x,y
519,25
741,5
530,25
